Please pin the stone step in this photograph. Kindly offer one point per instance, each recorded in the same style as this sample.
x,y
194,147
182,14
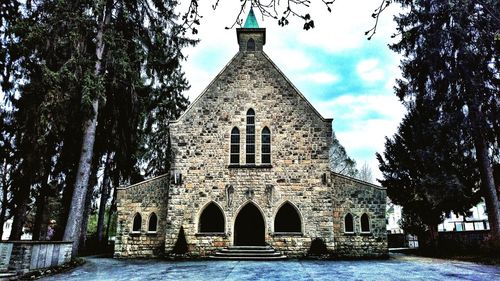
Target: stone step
x,y
250,247
263,251
248,253
7,275
281,257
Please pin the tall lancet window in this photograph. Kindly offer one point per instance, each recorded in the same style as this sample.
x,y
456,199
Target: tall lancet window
x,y
266,146
250,144
235,146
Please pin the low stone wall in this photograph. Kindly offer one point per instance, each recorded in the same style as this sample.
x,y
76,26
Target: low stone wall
x,y
24,256
465,241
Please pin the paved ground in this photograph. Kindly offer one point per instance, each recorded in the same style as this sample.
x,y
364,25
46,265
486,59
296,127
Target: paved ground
x,y
398,267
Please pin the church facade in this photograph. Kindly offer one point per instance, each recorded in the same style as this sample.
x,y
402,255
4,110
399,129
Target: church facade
x,y
251,167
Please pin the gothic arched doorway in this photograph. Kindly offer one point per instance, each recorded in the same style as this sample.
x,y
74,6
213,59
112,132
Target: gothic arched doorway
x,y
249,227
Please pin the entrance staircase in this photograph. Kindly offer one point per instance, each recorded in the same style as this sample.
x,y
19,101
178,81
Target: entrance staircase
x,y
248,253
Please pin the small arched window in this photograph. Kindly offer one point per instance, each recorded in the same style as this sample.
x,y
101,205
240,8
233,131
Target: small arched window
x,y
287,219
136,227
250,138
365,223
211,219
250,45
348,223
266,146
235,146
153,223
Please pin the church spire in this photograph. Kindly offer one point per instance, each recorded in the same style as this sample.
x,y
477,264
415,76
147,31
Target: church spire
x,y
251,21
251,37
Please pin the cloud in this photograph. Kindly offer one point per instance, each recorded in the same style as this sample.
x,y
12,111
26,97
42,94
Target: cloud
x,y
329,63
369,70
320,78
362,121
290,59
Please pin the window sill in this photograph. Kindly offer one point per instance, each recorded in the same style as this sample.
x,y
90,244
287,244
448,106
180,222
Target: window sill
x,y
349,233
203,234
288,234
366,233
135,233
249,166
152,232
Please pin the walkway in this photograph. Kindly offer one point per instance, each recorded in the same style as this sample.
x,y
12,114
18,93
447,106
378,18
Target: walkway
x,y
398,267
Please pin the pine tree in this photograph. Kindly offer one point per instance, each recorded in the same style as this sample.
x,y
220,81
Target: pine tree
x,y
81,62
451,59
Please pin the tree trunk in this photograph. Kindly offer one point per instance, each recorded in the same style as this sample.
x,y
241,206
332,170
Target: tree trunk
x,y
86,215
74,224
112,210
41,208
21,199
5,193
486,170
3,212
20,211
104,199
41,217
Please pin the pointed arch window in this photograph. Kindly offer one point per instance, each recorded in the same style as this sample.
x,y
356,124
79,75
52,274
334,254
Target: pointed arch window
x,y
365,223
250,137
211,219
250,45
348,223
266,146
152,223
136,226
235,146
287,219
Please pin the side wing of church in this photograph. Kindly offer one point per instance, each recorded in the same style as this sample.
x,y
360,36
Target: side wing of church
x,y
251,168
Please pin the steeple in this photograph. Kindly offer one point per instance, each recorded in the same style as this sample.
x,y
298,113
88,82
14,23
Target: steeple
x,y
251,21
251,38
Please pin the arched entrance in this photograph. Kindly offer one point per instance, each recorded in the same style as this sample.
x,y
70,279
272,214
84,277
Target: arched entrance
x,y
249,227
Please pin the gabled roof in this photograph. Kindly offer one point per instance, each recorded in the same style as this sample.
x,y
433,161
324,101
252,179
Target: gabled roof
x,y
274,66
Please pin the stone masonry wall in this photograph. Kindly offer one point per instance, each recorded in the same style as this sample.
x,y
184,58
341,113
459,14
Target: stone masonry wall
x,y
300,140
143,198
357,197
299,172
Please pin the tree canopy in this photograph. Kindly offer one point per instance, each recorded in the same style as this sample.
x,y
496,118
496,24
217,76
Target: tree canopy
x,y
450,86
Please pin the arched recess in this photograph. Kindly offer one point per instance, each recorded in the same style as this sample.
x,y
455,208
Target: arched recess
x,y
348,223
288,219
365,223
251,45
153,223
249,226
211,219
137,223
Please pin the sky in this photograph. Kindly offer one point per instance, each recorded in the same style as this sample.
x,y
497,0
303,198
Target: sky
x,y
344,75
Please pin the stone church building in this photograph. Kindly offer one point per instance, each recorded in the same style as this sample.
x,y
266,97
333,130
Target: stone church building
x,y
251,167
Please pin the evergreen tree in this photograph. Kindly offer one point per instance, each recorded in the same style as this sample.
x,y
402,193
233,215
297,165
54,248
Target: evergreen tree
x,y
77,64
451,61
429,168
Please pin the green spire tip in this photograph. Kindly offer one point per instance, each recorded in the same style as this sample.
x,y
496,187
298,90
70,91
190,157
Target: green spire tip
x,y
251,21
